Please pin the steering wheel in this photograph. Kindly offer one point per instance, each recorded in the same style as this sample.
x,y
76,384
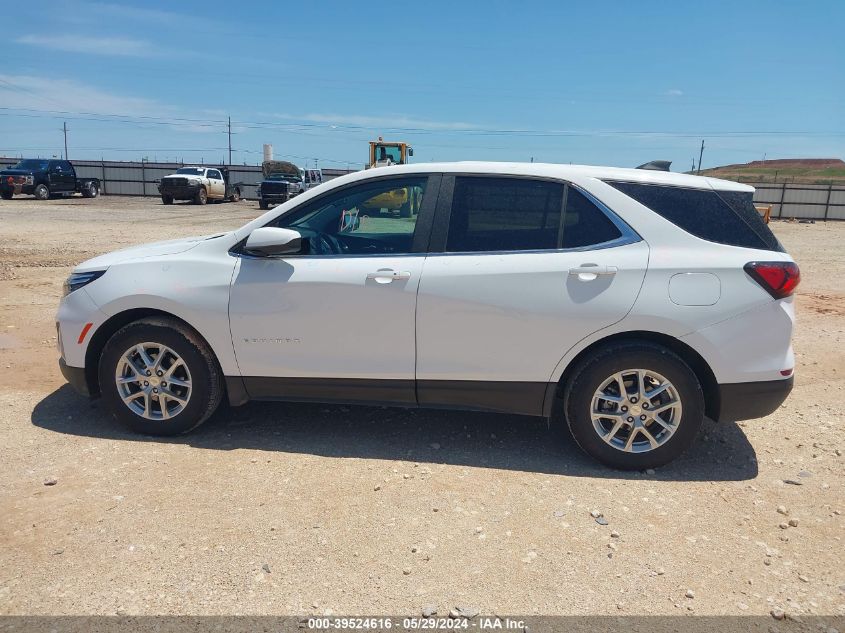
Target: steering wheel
x,y
326,244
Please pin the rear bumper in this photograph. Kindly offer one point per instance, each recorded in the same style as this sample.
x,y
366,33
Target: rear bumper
x,y
75,377
748,400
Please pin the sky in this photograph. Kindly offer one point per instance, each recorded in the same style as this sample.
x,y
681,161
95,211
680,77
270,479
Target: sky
x,y
606,83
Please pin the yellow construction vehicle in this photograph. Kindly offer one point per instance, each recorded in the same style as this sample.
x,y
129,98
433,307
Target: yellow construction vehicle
x,y
384,153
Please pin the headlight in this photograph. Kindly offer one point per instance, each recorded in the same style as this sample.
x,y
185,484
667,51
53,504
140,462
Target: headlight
x,y
78,280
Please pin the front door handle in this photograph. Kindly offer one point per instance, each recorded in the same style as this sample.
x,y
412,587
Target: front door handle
x,y
387,275
588,272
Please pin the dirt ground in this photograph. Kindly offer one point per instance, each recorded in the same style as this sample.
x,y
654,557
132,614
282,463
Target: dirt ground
x,y
313,509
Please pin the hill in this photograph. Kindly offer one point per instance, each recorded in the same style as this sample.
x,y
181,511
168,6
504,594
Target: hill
x,y
805,170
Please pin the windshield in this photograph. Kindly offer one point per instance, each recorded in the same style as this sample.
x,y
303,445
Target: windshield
x,y
193,171
32,164
384,153
280,176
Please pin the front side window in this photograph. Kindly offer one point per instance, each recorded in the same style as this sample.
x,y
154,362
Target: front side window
x,y
32,164
504,214
213,173
369,219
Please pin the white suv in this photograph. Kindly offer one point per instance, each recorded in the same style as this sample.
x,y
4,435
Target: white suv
x,y
627,303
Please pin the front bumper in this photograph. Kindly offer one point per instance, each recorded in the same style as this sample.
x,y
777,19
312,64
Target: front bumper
x,y
75,377
749,400
17,189
187,192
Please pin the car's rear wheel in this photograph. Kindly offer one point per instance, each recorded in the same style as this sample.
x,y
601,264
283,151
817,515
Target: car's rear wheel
x,y
7,195
41,192
90,190
165,199
159,377
634,405
201,197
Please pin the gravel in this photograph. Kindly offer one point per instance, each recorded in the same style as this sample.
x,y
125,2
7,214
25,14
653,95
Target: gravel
x,y
200,513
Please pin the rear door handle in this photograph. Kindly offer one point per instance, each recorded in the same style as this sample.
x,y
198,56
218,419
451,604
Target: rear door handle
x,y
387,275
588,272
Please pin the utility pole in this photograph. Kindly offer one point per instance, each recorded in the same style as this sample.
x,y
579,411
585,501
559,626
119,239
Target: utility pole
x,y
64,128
230,140
700,154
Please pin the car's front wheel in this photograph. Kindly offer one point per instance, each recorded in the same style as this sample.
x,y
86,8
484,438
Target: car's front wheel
x,y
42,192
634,405
159,377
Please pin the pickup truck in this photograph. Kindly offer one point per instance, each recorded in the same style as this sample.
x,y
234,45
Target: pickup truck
x,y
199,185
42,178
284,180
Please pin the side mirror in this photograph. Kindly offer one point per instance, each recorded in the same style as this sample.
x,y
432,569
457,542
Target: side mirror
x,y
269,241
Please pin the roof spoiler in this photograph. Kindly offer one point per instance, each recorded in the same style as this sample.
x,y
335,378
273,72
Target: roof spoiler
x,y
656,165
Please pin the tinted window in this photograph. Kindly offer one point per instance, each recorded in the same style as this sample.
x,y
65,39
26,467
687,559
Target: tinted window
x,y
378,217
504,214
726,217
584,224
213,173
66,166
32,164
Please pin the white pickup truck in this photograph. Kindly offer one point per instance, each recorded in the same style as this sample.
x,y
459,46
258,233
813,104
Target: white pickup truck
x,y
199,185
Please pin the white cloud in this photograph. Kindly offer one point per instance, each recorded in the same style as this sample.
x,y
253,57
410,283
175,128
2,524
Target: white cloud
x,y
45,93
375,122
674,92
111,46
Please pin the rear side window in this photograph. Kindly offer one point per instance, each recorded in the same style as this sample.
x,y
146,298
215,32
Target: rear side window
x,y
584,224
725,217
504,214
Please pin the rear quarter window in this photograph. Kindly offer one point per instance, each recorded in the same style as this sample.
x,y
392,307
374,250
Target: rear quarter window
x,y
724,217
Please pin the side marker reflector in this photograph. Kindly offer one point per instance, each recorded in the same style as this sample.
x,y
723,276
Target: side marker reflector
x,y
786,372
84,333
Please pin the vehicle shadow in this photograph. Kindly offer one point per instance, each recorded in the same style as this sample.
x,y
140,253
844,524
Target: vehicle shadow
x,y
483,440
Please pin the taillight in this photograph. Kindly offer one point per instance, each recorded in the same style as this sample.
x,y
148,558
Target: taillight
x,y
779,279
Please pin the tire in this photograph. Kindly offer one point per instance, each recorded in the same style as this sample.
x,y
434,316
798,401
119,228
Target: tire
x,y
236,196
42,192
165,199
263,205
191,405
582,396
90,190
7,195
201,197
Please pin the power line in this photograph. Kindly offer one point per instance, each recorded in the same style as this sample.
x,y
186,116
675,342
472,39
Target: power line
x,y
175,121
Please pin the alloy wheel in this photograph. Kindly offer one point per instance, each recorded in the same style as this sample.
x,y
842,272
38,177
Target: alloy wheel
x,y
636,410
153,381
